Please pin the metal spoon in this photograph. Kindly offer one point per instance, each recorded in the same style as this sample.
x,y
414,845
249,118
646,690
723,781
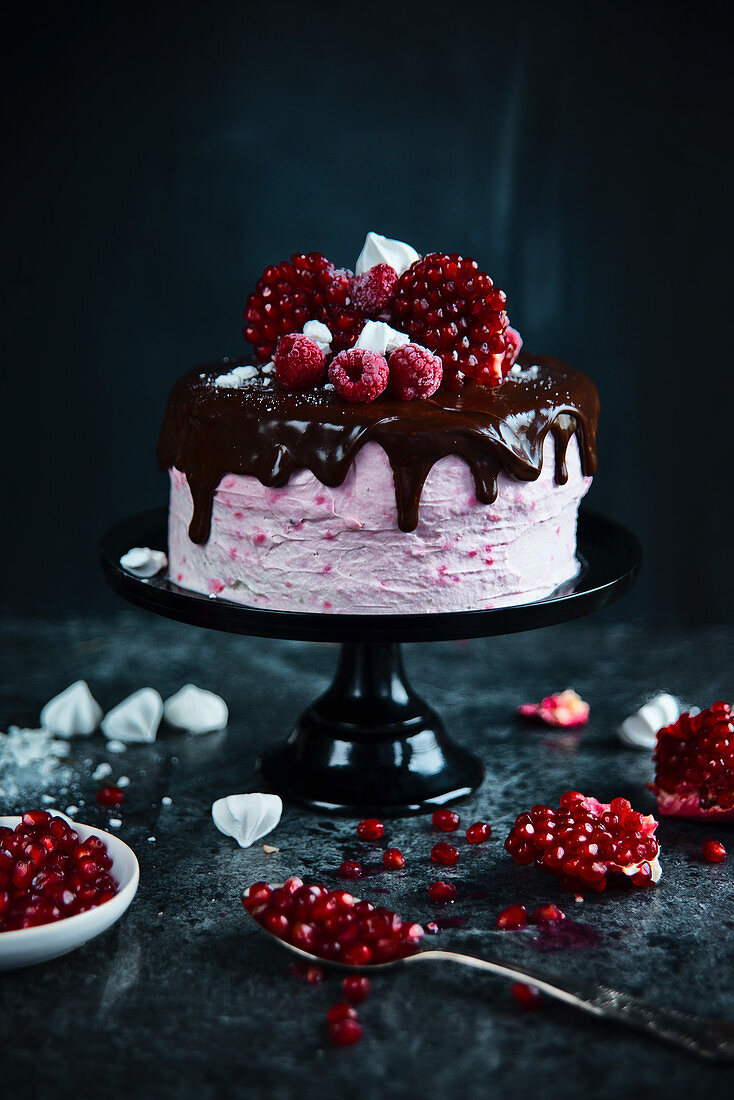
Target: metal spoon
x,y
707,1038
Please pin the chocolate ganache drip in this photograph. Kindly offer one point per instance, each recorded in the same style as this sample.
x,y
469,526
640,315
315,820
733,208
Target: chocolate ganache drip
x,y
269,433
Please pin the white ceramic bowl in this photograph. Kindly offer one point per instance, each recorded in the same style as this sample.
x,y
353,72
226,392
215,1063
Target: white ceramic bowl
x,y
27,946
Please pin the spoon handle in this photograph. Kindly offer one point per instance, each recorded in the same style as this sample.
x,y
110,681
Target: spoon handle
x,y
706,1038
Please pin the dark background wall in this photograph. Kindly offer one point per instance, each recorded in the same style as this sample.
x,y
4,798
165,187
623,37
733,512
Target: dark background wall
x,y
158,157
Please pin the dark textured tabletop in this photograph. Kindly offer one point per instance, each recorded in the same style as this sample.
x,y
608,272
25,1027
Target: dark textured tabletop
x,y
184,997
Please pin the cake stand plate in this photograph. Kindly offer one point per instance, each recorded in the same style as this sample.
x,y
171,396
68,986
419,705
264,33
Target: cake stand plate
x,y
369,743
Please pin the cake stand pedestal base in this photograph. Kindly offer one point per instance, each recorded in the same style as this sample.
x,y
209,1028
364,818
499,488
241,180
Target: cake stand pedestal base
x,y
370,743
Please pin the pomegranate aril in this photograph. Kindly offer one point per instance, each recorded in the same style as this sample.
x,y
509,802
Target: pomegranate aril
x,y
713,851
446,820
478,832
393,859
110,796
444,854
350,869
442,891
358,954
341,1011
527,995
547,913
356,988
514,916
345,1032
276,922
370,829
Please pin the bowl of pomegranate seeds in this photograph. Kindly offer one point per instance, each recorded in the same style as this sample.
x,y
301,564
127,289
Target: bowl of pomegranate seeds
x,y
61,884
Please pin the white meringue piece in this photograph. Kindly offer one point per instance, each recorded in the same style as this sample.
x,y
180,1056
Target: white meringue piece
x,y
116,746
102,771
136,719
380,337
384,250
238,376
74,712
141,561
247,817
196,710
639,731
319,333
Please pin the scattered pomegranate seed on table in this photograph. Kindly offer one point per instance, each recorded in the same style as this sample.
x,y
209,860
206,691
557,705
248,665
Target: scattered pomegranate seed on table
x,y
527,995
446,820
356,988
341,1011
370,829
478,832
713,851
547,913
345,1032
444,854
110,796
514,916
393,859
584,841
442,891
350,869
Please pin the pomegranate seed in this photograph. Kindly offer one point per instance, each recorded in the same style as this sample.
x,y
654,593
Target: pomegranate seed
x,y
393,859
442,891
478,832
514,916
350,869
110,796
356,988
276,922
548,913
444,854
359,954
527,995
345,1032
370,829
343,899
446,820
433,928
36,817
341,1011
713,851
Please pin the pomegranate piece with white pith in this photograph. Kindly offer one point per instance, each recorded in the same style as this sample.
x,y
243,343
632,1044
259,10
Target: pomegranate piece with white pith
x,y
585,842
694,765
331,923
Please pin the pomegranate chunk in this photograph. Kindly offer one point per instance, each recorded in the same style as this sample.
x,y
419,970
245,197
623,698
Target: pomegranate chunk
x,y
694,765
564,711
46,874
585,841
332,924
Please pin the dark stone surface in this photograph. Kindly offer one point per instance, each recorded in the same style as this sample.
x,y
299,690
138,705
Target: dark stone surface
x,y
184,998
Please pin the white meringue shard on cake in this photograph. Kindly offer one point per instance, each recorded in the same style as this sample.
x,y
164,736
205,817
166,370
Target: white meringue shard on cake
x,y
384,250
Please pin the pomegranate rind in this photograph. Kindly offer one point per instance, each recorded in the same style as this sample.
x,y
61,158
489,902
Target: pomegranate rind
x,y
688,805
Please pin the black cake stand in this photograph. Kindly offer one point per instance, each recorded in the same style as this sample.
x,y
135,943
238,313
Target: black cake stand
x,y
369,743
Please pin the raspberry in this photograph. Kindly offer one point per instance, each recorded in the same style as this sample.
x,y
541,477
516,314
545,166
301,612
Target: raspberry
x,y
446,304
306,288
374,290
359,375
414,372
299,362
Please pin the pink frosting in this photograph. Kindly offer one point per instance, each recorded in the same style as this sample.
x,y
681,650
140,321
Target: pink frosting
x,y
307,547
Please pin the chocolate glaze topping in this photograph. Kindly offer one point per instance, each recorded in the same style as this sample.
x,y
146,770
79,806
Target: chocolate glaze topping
x,y
262,430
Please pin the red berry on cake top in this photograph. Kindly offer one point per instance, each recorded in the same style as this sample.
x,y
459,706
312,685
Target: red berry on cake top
x,y
359,374
287,295
415,372
447,305
373,291
299,362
